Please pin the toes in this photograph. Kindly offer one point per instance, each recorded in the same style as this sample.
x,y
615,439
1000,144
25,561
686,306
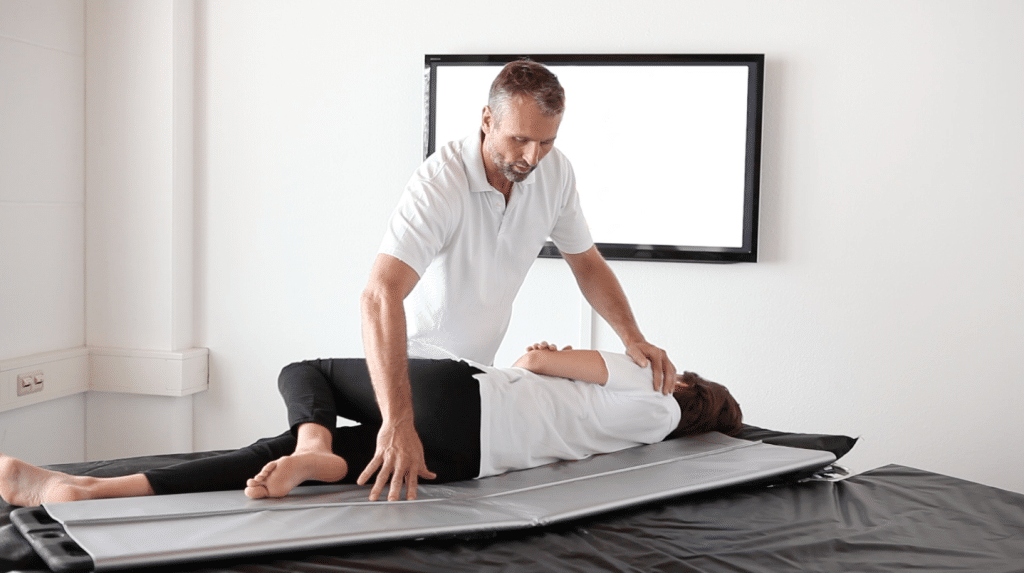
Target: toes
x,y
256,491
267,469
264,473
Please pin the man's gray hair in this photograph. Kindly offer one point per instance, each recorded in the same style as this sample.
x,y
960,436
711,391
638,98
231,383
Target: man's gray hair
x,y
527,78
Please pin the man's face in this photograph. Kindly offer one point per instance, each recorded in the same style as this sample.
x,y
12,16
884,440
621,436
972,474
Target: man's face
x,y
523,136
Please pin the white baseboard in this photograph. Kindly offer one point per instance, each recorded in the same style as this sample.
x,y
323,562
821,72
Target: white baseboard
x,y
82,369
177,373
65,372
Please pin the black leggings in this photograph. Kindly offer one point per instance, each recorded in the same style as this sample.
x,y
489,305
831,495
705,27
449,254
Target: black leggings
x,y
446,405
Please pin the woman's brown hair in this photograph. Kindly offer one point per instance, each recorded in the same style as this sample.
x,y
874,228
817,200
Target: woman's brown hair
x,y
706,407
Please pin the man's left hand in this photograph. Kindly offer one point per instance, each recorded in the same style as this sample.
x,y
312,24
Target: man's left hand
x,y
664,371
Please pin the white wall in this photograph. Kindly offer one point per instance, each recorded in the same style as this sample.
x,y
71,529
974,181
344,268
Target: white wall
x,y
886,304
139,220
42,212
96,199
887,301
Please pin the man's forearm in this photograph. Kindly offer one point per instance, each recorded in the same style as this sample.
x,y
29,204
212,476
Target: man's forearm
x,y
611,303
602,290
399,455
385,343
605,294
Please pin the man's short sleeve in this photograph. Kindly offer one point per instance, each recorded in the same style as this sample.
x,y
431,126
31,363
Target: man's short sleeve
x,y
418,227
571,234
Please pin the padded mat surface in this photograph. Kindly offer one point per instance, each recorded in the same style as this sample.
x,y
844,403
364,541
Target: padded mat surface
x,y
133,532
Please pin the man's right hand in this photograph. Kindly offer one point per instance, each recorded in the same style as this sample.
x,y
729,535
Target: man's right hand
x,y
399,455
399,459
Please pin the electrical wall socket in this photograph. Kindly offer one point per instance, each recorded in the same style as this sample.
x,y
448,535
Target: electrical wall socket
x,y
30,383
67,373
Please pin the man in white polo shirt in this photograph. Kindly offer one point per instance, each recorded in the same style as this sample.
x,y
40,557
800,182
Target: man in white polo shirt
x,y
458,247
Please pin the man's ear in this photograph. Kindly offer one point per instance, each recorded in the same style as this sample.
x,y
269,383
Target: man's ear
x,y
487,120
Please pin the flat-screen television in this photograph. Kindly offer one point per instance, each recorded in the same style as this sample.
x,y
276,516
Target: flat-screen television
x,y
666,147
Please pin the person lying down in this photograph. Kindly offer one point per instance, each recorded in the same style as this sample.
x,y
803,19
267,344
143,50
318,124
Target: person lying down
x,y
475,421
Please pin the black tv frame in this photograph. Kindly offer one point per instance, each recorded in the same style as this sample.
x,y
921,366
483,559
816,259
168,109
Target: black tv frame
x,y
630,251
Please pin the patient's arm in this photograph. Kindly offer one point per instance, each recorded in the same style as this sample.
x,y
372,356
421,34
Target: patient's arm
x,y
582,365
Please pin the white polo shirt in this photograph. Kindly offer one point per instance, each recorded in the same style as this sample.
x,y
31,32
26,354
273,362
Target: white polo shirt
x,y
471,251
528,420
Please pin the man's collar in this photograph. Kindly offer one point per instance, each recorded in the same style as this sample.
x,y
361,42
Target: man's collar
x,y
472,156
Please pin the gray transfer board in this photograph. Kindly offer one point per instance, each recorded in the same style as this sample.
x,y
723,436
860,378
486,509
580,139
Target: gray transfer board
x,y
135,532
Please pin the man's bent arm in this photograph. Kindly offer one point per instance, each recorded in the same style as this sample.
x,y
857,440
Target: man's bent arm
x,y
602,290
399,456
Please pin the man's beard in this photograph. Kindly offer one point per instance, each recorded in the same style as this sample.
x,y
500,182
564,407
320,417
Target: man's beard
x,y
508,169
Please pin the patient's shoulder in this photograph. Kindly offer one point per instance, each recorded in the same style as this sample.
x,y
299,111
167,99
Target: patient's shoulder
x,y
624,374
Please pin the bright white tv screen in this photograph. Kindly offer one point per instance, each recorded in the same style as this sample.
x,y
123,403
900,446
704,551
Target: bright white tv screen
x,y
665,148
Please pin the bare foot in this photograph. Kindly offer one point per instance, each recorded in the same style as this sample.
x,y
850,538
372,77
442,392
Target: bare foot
x,y
24,484
282,475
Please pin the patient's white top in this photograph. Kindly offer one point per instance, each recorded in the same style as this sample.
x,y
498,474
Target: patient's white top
x,y
528,420
471,250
